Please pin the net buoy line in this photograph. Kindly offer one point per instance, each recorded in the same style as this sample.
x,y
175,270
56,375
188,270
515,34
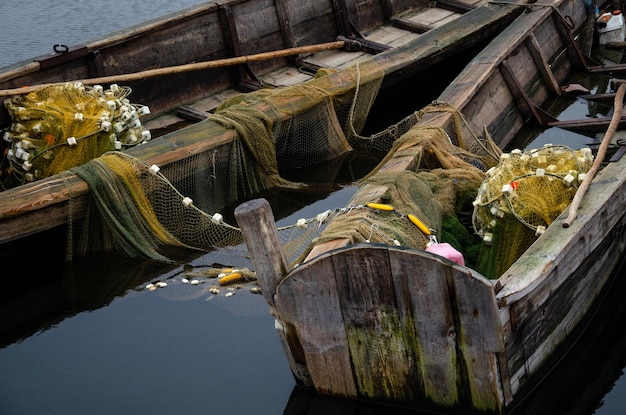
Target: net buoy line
x,y
320,219
237,274
339,44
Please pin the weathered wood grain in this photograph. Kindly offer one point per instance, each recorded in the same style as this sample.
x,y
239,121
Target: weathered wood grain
x,y
471,345
309,306
380,348
256,221
423,296
480,336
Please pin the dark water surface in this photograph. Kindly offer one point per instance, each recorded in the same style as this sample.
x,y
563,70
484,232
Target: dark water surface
x,y
89,338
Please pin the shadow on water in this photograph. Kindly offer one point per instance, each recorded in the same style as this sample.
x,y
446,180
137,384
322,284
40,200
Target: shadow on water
x,y
41,300
48,290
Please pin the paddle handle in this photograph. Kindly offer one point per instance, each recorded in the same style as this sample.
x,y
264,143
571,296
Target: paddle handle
x,y
238,60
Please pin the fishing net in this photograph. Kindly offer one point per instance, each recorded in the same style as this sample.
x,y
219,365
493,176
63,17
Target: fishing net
x,y
178,209
521,197
420,202
158,211
62,126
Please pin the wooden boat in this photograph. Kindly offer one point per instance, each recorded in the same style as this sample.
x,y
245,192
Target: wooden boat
x,y
400,325
175,66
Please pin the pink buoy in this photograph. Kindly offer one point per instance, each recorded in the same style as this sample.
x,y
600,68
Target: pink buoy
x,y
446,250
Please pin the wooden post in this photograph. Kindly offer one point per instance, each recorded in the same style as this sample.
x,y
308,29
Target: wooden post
x,y
256,220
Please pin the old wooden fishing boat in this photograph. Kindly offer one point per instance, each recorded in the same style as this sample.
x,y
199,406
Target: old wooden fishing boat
x,y
366,316
183,66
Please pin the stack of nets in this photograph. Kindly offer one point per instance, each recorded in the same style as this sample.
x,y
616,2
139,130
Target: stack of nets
x,y
62,126
521,197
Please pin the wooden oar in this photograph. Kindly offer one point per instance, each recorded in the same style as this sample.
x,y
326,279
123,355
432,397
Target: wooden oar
x,y
608,137
186,68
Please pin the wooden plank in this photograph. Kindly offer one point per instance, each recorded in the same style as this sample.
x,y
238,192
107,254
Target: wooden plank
x,y
528,285
480,70
381,350
542,65
334,59
286,76
405,24
391,36
479,336
433,17
422,292
545,318
285,23
308,304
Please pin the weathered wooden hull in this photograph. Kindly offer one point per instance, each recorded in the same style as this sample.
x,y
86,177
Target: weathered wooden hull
x,y
228,29
407,327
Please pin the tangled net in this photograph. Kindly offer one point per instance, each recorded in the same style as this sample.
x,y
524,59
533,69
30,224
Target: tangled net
x,y
522,196
62,126
155,212
448,168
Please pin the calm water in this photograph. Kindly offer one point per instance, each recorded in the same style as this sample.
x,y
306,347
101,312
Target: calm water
x,y
93,340
30,28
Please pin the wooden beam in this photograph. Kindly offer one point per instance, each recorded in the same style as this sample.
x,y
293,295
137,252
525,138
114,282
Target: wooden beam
x,y
542,65
244,78
524,101
285,23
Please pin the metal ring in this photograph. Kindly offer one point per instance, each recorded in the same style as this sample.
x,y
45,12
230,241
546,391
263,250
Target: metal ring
x,y
61,48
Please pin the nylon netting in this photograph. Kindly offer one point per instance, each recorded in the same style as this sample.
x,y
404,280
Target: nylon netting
x,y
447,170
62,126
521,197
155,211
172,211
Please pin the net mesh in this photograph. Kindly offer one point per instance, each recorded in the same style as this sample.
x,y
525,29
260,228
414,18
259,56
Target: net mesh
x,y
166,213
521,197
144,210
447,170
62,126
